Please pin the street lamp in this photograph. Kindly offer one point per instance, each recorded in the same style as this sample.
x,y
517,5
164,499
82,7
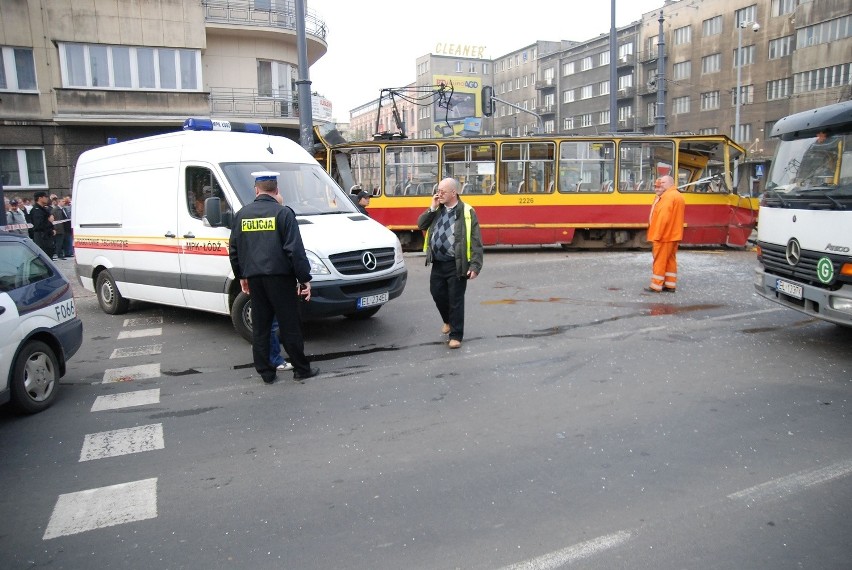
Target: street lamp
x,y
737,94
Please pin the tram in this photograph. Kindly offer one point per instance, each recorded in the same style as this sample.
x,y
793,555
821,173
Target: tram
x,y
582,192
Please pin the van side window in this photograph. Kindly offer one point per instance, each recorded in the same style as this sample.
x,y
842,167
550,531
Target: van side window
x,y
201,184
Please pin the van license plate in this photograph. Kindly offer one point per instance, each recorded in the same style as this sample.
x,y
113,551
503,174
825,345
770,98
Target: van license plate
x,y
371,300
790,289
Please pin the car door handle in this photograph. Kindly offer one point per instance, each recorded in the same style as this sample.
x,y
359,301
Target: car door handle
x,y
190,235
170,235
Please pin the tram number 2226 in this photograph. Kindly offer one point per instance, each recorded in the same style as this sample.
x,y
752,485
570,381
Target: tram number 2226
x,y
525,200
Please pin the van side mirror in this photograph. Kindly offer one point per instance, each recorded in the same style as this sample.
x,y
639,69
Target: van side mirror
x,y
212,212
487,100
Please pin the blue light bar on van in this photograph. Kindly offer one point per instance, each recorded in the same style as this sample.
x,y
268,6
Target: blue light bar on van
x,y
220,125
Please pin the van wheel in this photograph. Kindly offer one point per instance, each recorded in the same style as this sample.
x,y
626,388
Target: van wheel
x,y
362,315
241,316
110,300
35,378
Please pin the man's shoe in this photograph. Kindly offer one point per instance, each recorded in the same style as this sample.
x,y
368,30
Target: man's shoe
x,y
650,290
454,343
669,289
285,366
302,377
271,380
445,329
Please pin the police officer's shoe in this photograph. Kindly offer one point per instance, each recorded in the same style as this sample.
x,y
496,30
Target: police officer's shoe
x,y
270,380
302,377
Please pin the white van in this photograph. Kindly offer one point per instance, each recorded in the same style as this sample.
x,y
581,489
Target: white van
x,y
152,220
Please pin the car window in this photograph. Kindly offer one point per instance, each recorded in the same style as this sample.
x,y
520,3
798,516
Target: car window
x,y
20,266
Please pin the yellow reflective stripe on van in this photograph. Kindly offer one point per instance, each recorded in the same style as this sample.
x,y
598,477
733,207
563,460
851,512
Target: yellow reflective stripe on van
x,y
258,225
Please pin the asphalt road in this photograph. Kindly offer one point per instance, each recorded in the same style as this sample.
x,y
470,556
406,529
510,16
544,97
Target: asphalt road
x,y
583,424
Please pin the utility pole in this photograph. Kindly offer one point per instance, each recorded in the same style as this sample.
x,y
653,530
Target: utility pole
x,y
613,71
306,120
660,115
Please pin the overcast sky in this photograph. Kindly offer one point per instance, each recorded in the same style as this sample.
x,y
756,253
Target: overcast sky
x,y
373,44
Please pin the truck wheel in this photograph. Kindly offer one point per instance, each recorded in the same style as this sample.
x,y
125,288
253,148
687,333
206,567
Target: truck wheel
x,y
110,300
241,316
35,378
362,315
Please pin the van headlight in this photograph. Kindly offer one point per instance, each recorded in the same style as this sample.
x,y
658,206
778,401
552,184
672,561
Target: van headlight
x,y
397,250
317,266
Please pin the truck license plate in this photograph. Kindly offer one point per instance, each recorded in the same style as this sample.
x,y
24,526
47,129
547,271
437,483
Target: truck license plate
x,y
371,300
790,289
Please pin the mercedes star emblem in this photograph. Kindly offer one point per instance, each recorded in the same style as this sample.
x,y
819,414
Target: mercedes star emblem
x,y
369,260
794,251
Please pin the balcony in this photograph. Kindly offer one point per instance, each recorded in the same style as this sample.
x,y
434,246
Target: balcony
x,y
626,92
627,59
546,109
545,83
649,56
246,13
128,106
626,124
248,103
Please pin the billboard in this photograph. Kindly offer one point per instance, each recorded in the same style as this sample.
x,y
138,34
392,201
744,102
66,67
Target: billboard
x,y
457,114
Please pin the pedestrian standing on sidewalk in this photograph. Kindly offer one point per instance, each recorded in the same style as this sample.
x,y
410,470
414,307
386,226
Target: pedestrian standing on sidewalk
x,y
453,246
665,232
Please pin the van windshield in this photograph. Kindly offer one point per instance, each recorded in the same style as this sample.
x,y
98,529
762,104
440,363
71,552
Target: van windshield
x,y
306,188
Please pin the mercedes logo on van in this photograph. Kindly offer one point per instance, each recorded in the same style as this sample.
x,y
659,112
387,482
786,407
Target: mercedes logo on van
x,y
794,251
369,261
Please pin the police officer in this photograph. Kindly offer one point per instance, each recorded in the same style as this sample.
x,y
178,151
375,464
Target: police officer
x,y
42,221
268,258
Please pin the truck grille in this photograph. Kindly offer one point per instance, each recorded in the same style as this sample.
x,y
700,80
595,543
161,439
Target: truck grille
x,y
774,259
352,262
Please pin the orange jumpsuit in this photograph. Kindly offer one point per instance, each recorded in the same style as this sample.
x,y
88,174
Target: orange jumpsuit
x,y
665,230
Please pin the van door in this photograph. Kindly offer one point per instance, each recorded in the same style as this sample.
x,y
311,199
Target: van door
x,y
204,250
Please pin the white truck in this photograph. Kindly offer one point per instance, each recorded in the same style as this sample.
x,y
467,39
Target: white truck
x,y
804,236
152,220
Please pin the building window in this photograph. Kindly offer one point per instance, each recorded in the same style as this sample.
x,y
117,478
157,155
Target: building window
x,y
680,105
586,92
778,89
586,64
568,96
625,50
710,100
780,47
586,120
711,63
17,69
745,15
709,131
825,32
568,123
471,67
549,126
274,79
745,57
682,70
603,88
827,77
747,92
625,82
22,168
743,135
651,109
458,67
781,7
625,112
603,119
122,67
604,58
526,82
485,69
509,85
517,83
712,26
683,35
568,68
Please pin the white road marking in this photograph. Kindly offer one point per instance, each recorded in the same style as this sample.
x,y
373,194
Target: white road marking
x,y
783,486
143,321
137,351
137,333
129,373
746,314
574,553
126,400
106,506
122,442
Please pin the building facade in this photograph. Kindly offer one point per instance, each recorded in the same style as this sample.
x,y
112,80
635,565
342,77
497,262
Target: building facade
x,y
74,75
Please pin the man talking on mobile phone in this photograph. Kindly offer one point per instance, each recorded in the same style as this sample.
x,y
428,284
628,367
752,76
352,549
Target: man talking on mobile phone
x,y
453,246
268,257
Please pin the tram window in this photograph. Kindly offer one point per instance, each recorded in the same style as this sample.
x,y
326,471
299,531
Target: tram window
x,y
473,165
586,166
700,168
411,170
641,162
366,166
527,168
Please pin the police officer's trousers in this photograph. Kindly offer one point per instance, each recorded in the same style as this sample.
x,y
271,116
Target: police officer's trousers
x,y
275,296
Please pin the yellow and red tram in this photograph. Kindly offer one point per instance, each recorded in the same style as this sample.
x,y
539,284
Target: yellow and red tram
x,y
577,191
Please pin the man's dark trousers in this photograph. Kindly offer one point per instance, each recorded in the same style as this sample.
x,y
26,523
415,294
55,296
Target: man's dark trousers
x,y
448,293
275,296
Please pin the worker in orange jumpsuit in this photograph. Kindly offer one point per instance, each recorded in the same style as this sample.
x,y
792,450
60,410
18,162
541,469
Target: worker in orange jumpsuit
x,y
665,231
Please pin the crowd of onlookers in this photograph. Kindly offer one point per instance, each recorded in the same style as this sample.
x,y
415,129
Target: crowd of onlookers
x,y
46,219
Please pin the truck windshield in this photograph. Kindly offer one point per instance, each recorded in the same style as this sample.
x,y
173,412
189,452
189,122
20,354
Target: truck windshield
x,y
306,188
821,165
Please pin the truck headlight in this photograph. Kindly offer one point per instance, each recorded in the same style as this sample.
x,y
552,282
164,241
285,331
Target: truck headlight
x,y
840,304
317,266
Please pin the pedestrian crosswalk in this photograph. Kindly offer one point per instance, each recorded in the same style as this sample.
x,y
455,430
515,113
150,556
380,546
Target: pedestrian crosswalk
x,y
127,502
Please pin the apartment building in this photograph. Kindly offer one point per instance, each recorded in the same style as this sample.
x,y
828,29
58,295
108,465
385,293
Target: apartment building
x,y
74,75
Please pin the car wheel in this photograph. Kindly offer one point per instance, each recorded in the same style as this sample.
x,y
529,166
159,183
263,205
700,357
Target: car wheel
x,y
363,314
35,377
241,316
110,300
